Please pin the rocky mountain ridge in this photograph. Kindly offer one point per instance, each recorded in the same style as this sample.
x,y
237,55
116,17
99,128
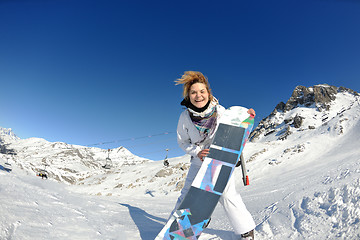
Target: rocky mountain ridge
x,y
320,99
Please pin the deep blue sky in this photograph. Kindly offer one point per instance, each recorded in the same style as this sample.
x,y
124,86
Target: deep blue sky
x,y
85,72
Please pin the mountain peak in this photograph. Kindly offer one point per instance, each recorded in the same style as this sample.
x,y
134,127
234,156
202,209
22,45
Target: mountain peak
x,y
319,98
319,95
8,133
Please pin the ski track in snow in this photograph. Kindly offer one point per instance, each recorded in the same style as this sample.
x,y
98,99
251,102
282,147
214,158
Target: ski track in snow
x,y
330,214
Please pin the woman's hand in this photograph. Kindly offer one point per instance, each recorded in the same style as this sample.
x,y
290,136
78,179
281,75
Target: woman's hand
x,y
203,153
251,112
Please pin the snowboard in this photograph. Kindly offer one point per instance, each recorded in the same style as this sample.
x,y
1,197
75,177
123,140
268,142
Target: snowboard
x,y
192,215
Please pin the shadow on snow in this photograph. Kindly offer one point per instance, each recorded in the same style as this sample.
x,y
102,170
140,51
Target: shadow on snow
x,y
5,168
149,225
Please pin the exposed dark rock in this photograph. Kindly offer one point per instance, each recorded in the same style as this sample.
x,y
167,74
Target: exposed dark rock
x,y
4,148
270,132
288,120
320,95
344,89
164,172
263,126
280,107
285,133
298,121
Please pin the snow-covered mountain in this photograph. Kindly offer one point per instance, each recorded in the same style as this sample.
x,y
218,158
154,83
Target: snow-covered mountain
x,y
7,134
303,162
84,166
63,162
308,109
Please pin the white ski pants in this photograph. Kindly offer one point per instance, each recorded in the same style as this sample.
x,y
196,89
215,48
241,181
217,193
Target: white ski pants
x,y
239,217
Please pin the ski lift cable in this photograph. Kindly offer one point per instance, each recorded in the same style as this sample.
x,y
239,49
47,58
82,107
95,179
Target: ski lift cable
x,y
146,144
151,143
130,139
108,152
146,153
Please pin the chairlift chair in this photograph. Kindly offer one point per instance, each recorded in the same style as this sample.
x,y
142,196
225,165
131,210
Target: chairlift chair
x,y
166,161
108,162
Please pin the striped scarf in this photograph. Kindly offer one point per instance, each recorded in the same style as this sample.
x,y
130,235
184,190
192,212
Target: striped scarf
x,y
205,122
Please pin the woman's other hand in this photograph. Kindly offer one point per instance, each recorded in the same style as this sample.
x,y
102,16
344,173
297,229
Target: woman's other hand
x,y
203,153
251,112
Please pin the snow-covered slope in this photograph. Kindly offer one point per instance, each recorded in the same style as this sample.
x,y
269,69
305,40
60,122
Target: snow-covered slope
x,y
303,163
308,177
63,162
308,109
83,167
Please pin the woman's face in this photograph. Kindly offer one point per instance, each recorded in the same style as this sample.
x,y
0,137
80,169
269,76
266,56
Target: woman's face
x,y
199,95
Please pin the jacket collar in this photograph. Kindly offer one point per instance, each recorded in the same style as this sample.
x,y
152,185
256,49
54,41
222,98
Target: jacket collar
x,y
202,112
189,105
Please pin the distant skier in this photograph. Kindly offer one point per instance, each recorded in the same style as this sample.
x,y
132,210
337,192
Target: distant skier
x,y
195,132
43,175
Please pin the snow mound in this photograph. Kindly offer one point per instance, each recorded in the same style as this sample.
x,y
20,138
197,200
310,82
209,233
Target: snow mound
x,y
335,212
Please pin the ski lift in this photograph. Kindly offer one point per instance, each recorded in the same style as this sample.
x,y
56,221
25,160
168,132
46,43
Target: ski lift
x,y
43,173
166,161
108,163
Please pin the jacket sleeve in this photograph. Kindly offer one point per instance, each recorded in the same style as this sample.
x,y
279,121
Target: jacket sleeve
x,y
184,139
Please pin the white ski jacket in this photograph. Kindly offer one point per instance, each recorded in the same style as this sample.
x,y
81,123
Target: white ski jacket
x,y
189,137
192,142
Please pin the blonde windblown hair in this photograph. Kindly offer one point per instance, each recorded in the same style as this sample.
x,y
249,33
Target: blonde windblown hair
x,y
191,77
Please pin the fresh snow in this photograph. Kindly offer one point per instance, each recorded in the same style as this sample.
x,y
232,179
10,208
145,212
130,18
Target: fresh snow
x,y
306,186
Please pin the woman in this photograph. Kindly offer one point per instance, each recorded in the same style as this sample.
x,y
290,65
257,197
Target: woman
x,y
195,131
